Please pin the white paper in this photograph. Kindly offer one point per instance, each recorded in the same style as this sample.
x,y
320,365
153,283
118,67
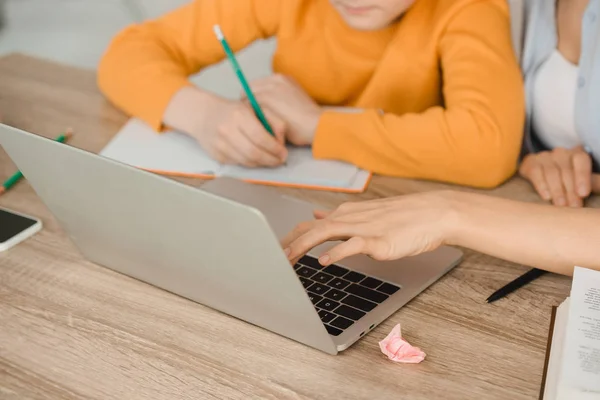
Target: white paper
x,y
177,153
300,167
556,351
580,371
171,152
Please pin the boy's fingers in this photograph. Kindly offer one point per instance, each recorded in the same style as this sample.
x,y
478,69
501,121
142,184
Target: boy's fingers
x,y
251,127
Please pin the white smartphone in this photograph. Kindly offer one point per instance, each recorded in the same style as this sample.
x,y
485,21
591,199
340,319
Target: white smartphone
x,y
16,227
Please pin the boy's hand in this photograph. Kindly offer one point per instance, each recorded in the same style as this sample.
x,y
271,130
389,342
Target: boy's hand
x,y
227,130
233,135
561,175
282,96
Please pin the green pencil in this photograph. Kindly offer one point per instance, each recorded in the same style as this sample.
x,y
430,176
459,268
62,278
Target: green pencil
x,y
238,71
10,182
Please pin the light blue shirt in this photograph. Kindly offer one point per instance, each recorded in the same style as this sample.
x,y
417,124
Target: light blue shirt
x,y
541,40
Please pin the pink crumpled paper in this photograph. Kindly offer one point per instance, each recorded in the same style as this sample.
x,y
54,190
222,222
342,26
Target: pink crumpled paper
x,y
399,350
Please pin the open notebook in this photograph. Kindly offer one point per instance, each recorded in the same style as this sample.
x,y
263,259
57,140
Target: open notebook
x,y
572,370
175,153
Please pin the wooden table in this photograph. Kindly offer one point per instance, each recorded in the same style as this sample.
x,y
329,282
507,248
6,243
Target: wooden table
x,y
70,329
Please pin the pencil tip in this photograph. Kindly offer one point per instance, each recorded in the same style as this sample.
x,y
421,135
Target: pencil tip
x,y
2,190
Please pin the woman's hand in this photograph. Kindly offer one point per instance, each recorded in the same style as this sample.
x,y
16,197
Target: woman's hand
x,y
285,98
595,183
385,229
538,235
561,175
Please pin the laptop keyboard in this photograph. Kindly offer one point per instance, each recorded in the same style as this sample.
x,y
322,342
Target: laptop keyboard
x,y
341,296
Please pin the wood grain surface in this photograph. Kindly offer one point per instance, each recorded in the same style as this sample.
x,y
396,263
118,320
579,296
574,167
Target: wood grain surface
x,y
72,330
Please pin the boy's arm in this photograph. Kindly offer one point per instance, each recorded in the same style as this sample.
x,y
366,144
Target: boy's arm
x,y
474,140
147,64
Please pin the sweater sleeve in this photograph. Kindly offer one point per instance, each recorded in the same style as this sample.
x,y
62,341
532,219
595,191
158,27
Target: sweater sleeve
x,y
474,139
146,64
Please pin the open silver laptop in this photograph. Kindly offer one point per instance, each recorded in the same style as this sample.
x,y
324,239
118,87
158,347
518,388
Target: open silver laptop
x,y
218,246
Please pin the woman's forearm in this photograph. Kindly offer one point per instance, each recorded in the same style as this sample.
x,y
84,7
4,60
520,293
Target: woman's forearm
x,y
547,237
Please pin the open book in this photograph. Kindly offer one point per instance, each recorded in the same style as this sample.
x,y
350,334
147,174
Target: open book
x,y
573,363
175,153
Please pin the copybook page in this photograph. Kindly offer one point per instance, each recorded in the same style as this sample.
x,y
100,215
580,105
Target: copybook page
x,y
176,153
580,373
301,169
168,152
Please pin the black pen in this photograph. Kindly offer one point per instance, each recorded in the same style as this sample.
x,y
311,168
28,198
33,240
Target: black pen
x,y
516,284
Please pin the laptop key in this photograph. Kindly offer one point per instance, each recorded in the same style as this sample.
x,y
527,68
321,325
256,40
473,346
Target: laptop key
x,y
326,316
305,282
342,323
357,302
306,272
311,262
371,283
318,288
333,331
388,288
328,305
297,266
366,293
354,277
335,294
338,283
315,298
336,270
349,312
322,277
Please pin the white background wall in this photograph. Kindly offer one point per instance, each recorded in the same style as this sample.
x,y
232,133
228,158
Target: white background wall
x,y
76,32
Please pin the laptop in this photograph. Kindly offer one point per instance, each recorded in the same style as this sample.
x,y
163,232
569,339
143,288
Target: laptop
x,y
218,246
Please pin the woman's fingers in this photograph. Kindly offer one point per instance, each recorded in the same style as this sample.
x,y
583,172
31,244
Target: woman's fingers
x,y
555,184
596,183
298,231
319,233
561,175
321,214
373,247
564,162
582,168
534,172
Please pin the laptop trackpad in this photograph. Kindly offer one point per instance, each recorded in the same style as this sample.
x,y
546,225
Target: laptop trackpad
x,y
283,212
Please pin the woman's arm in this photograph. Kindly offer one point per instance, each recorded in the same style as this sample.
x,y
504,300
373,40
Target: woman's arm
x,y
473,139
542,236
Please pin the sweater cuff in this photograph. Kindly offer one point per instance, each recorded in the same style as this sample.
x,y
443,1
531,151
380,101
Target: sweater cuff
x,y
159,100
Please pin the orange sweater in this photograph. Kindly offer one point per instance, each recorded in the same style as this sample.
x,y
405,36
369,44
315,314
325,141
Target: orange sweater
x,y
445,77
